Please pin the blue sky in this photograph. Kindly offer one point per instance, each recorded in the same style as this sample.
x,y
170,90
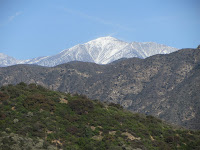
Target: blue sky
x,y
33,28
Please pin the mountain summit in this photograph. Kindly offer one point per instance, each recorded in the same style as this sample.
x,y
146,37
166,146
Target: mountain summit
x,y
6,60
102,50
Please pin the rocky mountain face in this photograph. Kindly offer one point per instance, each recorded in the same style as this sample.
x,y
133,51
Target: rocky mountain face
x,y
165,86
103,50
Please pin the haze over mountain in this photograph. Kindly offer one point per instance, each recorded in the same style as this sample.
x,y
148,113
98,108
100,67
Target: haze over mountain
x,y
166,86
102,50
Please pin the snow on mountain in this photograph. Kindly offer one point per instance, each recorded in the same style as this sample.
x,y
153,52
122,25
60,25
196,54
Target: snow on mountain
x,y
102,50
146,49
6,60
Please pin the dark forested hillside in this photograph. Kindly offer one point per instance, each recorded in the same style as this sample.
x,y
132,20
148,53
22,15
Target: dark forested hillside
x,y
165,86
33,117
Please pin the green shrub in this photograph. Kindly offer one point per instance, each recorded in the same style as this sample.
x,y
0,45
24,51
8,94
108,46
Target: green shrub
x,y
3,96
116,105
81,106
38,101
72,130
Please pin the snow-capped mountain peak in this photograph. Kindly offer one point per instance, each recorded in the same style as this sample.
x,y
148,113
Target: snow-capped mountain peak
x,y
6,60
104,39
102,50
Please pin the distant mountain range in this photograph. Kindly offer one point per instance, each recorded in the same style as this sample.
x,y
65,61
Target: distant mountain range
x,y
103,50
165,86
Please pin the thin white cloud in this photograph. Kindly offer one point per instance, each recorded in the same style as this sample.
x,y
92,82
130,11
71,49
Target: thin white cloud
x,y
98,20
11,18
